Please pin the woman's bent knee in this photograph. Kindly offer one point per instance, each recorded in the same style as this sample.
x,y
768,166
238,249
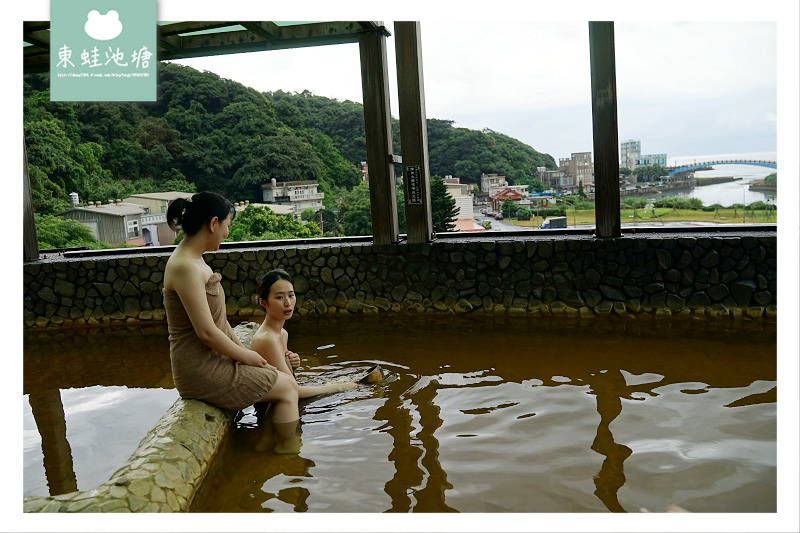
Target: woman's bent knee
x,y
285,389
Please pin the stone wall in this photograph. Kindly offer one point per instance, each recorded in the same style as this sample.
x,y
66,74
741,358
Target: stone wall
x,y
710,274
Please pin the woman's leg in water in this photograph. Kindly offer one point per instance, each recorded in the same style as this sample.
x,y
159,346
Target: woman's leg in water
x,y
285,415
283,396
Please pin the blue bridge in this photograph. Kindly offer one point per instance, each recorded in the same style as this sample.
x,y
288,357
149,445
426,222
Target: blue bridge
x,y
696,166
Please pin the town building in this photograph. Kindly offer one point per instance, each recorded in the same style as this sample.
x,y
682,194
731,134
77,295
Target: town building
x,y
651,160
116,222
558,180
506,194
631,156
364,168
301,195
493,181
462,194
629,153
155,229
580,169
538,201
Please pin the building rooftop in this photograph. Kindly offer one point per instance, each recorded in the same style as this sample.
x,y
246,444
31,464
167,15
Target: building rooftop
x,y
169,196
116,209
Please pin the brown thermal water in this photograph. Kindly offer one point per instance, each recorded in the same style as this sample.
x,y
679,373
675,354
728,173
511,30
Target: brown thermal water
x,y
504,414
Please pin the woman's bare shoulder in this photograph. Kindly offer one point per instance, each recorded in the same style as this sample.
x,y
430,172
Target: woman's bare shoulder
x,y
265,341
182,271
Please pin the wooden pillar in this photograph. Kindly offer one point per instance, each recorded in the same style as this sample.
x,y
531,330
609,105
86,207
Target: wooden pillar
x,y
604,128
413,132
30,244
48,412
378,133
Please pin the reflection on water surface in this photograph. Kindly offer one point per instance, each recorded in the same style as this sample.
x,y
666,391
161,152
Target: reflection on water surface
x,y
494,414
89,397
477,414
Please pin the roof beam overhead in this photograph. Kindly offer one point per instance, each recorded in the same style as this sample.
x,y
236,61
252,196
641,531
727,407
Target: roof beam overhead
x,y
178,40
259,36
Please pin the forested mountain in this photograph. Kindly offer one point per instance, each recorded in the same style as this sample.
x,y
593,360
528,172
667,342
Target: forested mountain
x,y
210,133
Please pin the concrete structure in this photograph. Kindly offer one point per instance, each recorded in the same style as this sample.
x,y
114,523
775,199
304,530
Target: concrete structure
x,y
558,180
631,156
301,195
155,229
651,160
629,153
115,222
156,202
493,181
462,194
580,169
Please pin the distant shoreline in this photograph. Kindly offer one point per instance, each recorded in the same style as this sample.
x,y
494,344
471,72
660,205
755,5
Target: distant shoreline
x,y
762,185
711,181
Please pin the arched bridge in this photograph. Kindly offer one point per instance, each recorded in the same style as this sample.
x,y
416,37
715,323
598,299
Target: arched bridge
x,y
695,166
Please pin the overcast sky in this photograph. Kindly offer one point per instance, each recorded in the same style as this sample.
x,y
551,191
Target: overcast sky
x,y
686,89
693,77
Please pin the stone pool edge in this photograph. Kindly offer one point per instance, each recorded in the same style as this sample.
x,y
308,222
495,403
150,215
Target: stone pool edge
x,y
162,474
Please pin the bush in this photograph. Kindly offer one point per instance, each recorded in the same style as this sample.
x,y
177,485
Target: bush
x,y
56,232
552,212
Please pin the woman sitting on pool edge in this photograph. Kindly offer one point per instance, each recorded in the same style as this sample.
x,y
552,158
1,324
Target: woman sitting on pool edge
x,y
208,360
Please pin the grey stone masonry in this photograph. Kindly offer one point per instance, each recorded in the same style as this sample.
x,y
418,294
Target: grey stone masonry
x,y
710,274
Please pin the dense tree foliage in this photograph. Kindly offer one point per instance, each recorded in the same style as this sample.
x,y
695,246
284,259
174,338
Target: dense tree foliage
x,y
262,224
210,133
55,232
650,173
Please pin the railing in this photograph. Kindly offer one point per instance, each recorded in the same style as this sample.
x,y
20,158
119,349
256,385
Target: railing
x,y
690,166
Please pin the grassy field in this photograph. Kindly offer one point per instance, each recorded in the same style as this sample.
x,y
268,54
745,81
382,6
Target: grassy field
x,y
661,214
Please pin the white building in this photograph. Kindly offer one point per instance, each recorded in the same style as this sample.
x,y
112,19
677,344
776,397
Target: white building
x,y
630,151
301,195
462,194
631,156
493,181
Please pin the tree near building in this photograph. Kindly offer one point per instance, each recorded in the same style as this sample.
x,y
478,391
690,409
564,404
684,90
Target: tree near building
x,y
55,232
443,207
262,224
508,208
356,213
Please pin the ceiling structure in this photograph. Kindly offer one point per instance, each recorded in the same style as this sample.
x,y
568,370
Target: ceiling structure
x,y
177,40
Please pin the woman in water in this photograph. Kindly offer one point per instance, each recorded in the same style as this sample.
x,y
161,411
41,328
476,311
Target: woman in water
x,y
275,293
209,362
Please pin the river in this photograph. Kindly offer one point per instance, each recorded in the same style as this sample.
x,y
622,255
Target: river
x,y
726,194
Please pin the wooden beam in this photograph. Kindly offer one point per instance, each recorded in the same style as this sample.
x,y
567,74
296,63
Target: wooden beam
x,y
270,37
179,40
604,128
378,133
413,132
30,244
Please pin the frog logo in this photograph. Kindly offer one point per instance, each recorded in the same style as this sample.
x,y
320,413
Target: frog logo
x,y
103,27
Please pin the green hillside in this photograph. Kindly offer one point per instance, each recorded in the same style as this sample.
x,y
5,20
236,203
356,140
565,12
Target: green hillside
x,y
210,133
